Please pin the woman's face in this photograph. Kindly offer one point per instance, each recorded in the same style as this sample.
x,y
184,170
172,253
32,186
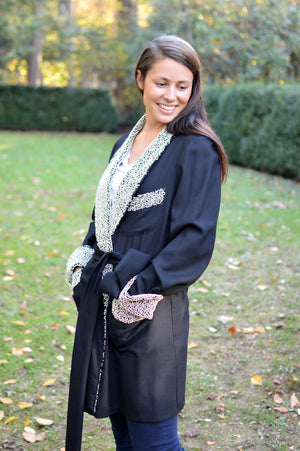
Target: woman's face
x,y
167,88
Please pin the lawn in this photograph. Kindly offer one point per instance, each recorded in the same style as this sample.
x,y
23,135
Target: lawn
x,y
244,364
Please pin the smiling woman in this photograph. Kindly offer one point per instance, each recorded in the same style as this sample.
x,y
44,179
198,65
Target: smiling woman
x,y
151,236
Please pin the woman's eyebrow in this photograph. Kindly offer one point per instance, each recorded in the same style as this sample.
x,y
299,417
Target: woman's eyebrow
x,y
166,79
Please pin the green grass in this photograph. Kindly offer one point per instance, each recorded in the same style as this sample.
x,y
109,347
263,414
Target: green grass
x,y
48,184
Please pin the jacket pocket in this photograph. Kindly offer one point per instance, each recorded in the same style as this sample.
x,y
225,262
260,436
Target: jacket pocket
x,y
128,337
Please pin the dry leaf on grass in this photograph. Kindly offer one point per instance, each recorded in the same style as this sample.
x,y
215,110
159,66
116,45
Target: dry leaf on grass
x,y
25,405
8,420
70,329
193,344
49,382
30,435
256,380
43,421
281,409
6,400
10,381
192,432
277,399
294,401
232,330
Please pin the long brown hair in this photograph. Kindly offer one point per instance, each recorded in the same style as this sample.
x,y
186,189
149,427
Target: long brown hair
x,y
193,118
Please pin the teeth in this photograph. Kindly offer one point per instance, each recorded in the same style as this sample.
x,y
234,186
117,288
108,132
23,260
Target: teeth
x,y
167,108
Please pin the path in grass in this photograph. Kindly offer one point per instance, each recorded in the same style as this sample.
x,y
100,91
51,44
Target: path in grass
x,y
245,318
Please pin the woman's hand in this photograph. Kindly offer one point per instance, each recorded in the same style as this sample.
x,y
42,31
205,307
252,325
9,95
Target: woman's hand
x,y
78,268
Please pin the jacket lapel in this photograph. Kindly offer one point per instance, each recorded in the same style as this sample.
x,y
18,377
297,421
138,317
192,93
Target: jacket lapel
x,y
107,219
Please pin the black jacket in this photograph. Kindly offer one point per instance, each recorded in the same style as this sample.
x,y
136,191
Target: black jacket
x,y
166,236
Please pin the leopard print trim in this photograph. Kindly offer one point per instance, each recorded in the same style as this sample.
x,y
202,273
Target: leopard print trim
x,y
129,309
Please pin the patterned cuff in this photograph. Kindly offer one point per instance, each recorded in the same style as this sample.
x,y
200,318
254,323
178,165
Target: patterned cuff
x,y
80,257
129,309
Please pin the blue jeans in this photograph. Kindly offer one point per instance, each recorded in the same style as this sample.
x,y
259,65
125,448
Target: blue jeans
x,y
137,436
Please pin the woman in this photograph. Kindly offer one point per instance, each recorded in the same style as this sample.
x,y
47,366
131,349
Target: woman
x,y
152,235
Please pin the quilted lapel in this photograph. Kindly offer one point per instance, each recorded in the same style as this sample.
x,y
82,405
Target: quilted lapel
x,y
107,218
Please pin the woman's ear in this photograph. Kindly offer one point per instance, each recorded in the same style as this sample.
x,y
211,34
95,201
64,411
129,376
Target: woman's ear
x,y
140,80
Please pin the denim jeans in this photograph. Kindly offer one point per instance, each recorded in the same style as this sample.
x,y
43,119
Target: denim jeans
x,y
137,436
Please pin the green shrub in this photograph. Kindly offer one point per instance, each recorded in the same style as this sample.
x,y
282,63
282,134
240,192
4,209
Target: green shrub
x,y
65,109
259,125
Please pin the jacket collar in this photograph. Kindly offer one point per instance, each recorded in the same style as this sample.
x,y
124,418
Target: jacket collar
x,y
107,219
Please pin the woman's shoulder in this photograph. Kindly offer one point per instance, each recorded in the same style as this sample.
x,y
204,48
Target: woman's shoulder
x,y
193,140
194,144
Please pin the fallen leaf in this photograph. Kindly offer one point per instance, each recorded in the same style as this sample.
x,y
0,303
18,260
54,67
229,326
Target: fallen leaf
x,y
29,435
53,253
17,351
8,339
10,272
43,421
277,399
71,329
6,400
192,432
193,344
260,330
62,312
60,358
18,323
232,330
294,401
42,397
210,443
202,290
10,419
1,415
281,409
26,422
40,437
212,329
256,380
25,405
48,382
233,267
10,381
262,287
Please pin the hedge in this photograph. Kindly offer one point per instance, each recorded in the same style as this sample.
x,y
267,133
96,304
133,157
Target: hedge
x,y
259,125
62,109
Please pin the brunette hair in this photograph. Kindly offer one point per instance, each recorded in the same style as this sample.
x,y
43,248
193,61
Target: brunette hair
x,y
193,118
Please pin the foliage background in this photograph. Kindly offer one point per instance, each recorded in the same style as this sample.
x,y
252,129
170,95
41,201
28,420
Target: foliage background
x,y
94,43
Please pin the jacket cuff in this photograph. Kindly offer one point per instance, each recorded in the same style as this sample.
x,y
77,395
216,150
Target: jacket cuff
x,y
80,257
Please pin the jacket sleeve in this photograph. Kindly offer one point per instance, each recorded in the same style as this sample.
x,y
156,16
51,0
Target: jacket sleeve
x,y
194,216
82,255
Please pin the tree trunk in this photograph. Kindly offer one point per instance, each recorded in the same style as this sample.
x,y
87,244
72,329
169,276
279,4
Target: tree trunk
x,y
67,8
35,57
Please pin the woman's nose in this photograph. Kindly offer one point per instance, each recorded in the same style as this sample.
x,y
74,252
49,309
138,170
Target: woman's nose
x,y
170,93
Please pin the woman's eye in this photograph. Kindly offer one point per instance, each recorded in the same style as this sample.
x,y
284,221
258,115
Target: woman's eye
x,y
160,84
182,88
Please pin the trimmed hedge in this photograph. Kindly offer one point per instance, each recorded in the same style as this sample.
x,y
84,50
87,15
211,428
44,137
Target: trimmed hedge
x,y
62,109
259,125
